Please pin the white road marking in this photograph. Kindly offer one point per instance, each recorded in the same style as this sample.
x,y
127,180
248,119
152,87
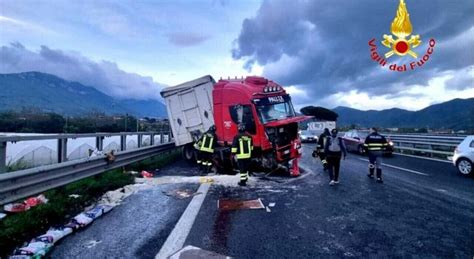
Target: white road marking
x,y
399,168
426,158
176,239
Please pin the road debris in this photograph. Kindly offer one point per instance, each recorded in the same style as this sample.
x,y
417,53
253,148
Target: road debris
x,y
92,243
2,215
75,196
181,194
26,204
206,180
146,174
271,204
238,205
268,209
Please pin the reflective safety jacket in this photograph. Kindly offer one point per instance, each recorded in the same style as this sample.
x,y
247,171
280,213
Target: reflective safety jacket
x,y
375,142
206,143
242,146
323,138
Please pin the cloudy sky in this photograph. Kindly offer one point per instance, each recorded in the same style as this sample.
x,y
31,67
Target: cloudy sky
x,y
317,49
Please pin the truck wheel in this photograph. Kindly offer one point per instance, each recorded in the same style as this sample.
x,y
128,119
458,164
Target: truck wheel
x,y
464,166
188,153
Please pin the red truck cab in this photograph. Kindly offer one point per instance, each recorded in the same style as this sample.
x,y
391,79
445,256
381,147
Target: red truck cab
x,y
268,114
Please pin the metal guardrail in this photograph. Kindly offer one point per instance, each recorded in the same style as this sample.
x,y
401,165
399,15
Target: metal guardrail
x,y
62,140
21,184
434,146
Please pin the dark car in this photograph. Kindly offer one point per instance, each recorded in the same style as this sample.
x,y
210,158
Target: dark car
x,y
354,141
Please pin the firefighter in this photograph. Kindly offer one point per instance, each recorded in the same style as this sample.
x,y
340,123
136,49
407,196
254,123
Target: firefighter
x,y
319,151
375,144
205,147
242,147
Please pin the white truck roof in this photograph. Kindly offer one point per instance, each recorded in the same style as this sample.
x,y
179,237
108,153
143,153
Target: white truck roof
x,y
187,85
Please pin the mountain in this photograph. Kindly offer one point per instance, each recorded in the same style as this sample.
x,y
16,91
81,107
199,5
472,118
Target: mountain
x,y
455,114
53,94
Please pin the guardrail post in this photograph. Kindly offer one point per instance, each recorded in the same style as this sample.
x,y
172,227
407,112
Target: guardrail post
x,y
3,157
123,142
62,150
99,143
169,136
161,137
152,139
139,139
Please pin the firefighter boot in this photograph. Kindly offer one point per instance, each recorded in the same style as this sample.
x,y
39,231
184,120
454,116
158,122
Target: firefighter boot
x,y
371,171
379,175
295,170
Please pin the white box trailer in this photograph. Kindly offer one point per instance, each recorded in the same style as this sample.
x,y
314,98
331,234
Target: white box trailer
x,y
319,126
189,107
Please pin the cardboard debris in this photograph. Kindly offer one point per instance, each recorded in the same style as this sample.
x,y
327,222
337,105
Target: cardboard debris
x,y
206,180
239,205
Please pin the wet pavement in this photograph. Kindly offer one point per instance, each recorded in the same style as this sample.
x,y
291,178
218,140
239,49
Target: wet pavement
x,y
411,215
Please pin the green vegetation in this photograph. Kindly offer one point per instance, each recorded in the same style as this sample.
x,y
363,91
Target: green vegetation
x,y
21,227
34,121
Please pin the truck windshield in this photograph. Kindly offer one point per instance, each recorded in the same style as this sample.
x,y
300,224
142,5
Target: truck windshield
x,y
274,108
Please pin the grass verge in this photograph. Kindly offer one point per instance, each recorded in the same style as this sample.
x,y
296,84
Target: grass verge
x,y
22,227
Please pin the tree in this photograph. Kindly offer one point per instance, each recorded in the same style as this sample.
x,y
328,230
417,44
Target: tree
x,y
319,113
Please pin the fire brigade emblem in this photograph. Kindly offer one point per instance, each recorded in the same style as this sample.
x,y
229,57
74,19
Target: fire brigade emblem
x,y
401,28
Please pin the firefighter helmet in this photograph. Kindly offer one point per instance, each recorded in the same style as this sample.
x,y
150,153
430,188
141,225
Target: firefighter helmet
x,y
212,128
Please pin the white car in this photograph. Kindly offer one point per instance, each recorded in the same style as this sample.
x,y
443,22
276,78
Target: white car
x,y
464,156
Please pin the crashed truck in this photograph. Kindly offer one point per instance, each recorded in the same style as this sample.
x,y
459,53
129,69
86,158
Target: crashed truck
x,y
260,104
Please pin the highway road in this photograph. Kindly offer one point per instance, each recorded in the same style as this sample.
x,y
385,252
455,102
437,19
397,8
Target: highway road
x,y
424,208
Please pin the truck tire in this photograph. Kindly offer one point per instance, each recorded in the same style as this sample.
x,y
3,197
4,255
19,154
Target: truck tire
x,y
188,152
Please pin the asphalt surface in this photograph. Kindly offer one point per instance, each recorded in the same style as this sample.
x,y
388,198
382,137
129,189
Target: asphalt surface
x,y
425,212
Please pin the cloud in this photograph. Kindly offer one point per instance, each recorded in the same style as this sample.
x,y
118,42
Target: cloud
x,y
183,39
461,80
323,48
105,76
8,23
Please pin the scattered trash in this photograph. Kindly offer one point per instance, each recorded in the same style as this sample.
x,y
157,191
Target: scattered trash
x,y
82,219
146,174
268,209
34,201
75,196
53,235
206,180
34,249
181,194
2,215
95,153
110,157
196,252
93,243
16,207
94,213
271,204
238,205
